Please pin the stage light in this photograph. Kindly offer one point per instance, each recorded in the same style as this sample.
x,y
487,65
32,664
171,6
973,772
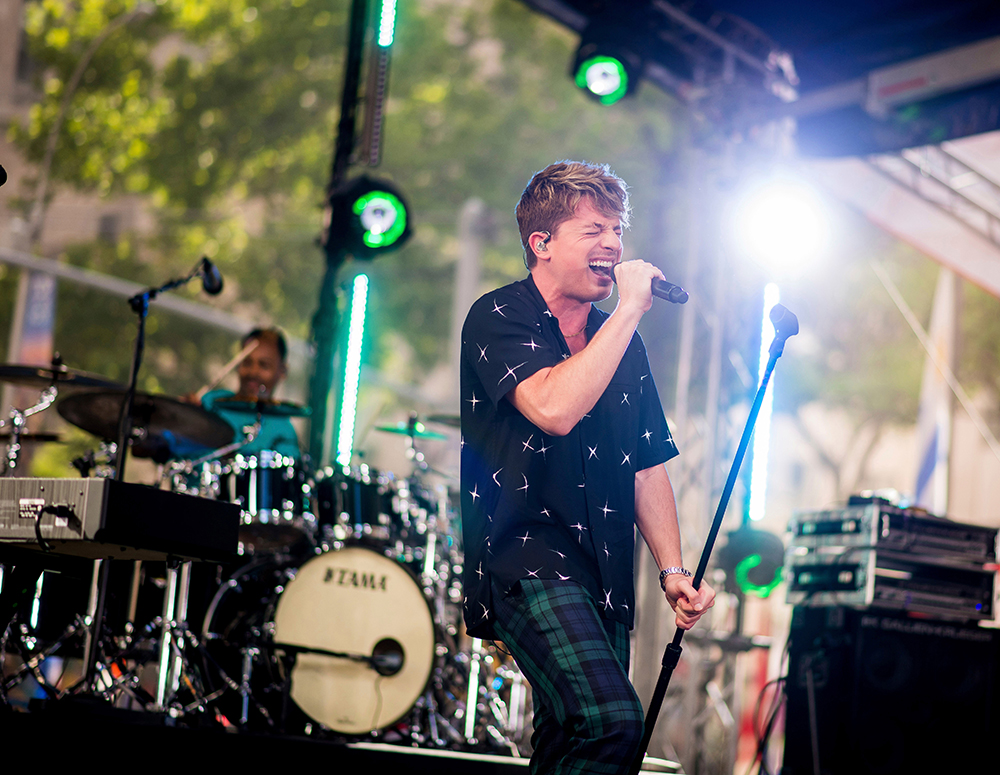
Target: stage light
x,y
762,433
366,217
383,218
352,370
605,77
386,23
606,66
752,560
781,224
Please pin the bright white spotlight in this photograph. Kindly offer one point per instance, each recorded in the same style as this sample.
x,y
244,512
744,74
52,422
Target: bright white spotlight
x,y
781,225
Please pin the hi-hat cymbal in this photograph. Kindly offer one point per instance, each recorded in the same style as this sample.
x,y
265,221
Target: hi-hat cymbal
x,y
98,413
415,430
274,408
61,376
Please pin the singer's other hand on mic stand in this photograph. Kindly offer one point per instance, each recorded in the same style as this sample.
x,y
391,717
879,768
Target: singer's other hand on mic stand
x,y
565,445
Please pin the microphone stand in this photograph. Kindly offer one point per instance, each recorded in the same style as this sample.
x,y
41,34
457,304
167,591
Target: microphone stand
x,y
140,305
785,325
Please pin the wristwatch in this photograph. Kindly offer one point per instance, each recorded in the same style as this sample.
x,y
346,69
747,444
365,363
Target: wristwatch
x,y
667,571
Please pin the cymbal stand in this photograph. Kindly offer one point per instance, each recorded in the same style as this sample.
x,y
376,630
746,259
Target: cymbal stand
x,y
17,421
175,601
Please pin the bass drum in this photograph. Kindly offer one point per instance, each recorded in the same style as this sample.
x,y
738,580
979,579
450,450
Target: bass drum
x,y
350,633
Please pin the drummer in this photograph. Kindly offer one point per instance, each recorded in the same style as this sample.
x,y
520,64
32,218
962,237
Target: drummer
x,y
260,373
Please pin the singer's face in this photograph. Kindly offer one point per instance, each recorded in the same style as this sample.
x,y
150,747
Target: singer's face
x,y
260,372
583,250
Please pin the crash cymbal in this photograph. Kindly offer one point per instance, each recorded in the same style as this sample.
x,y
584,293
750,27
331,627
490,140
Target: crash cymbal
x,y
415,430
61,376
274,408
451,420
98,413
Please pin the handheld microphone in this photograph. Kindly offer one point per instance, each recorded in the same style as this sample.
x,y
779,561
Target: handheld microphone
x,y
662,289
211,278
669,291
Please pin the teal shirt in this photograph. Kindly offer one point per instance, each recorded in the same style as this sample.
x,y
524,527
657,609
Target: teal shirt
x,y
276,433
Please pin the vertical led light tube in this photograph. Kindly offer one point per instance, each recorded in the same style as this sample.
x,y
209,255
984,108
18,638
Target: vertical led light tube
x,y
387,23
762,431
352,370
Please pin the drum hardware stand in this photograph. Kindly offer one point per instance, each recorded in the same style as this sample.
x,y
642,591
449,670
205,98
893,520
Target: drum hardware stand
x,y
785,325
18,420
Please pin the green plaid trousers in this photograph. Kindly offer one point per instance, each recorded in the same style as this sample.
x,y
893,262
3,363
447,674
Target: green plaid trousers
x,y
587,716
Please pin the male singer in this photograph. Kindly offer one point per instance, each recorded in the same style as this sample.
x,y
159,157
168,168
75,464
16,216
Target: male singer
x,y
563,447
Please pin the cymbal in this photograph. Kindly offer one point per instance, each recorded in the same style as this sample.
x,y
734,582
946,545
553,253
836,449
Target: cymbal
x,y
98,413
415,430
275,408
451,420
61,376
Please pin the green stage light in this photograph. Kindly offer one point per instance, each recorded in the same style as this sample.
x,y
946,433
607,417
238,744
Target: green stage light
x,y
383,217
367,217
752,560
605,77
386,23
744,579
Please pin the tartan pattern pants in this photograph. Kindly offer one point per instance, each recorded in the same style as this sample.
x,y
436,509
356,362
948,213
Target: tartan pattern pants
x,y
587,717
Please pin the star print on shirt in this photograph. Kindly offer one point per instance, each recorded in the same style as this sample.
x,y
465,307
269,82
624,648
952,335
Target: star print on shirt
x,y
499,309
627,458
474,492
525,488
495,477
607,599
510,372
606,510
482,353
526,445
647,436
474,401
593,452
532,344
532,574
625,399
557,552
546,513
525,538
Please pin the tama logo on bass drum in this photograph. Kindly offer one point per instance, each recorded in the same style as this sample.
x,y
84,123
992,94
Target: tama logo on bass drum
x,y
349,577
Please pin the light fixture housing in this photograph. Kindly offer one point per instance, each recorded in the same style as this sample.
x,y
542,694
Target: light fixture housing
x,y
606,65
366,217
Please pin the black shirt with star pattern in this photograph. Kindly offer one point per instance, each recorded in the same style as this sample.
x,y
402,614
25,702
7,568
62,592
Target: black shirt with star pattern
x,y
541,506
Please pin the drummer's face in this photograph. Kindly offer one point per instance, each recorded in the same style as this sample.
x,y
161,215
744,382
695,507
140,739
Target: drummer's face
x,y
261,371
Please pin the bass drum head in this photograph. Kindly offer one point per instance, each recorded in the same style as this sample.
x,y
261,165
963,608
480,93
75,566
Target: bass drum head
x,y
357,603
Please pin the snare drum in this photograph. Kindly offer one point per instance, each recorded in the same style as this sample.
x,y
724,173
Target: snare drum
x,y
275,496
354,625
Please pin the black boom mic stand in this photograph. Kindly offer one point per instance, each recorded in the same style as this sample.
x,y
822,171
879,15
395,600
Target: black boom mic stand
x,y
785,325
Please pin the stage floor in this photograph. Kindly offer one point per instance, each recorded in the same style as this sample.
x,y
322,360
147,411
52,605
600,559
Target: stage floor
x,y
102,734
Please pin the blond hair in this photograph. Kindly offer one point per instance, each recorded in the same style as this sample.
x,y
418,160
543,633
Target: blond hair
x,y
552,194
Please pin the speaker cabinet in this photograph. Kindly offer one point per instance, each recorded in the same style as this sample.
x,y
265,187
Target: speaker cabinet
x,y
872,693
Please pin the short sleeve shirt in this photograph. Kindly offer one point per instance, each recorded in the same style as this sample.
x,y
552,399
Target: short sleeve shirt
x,y
276,433
542,506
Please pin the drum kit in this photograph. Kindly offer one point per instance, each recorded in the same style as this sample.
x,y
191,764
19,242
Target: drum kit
x,y
341,615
